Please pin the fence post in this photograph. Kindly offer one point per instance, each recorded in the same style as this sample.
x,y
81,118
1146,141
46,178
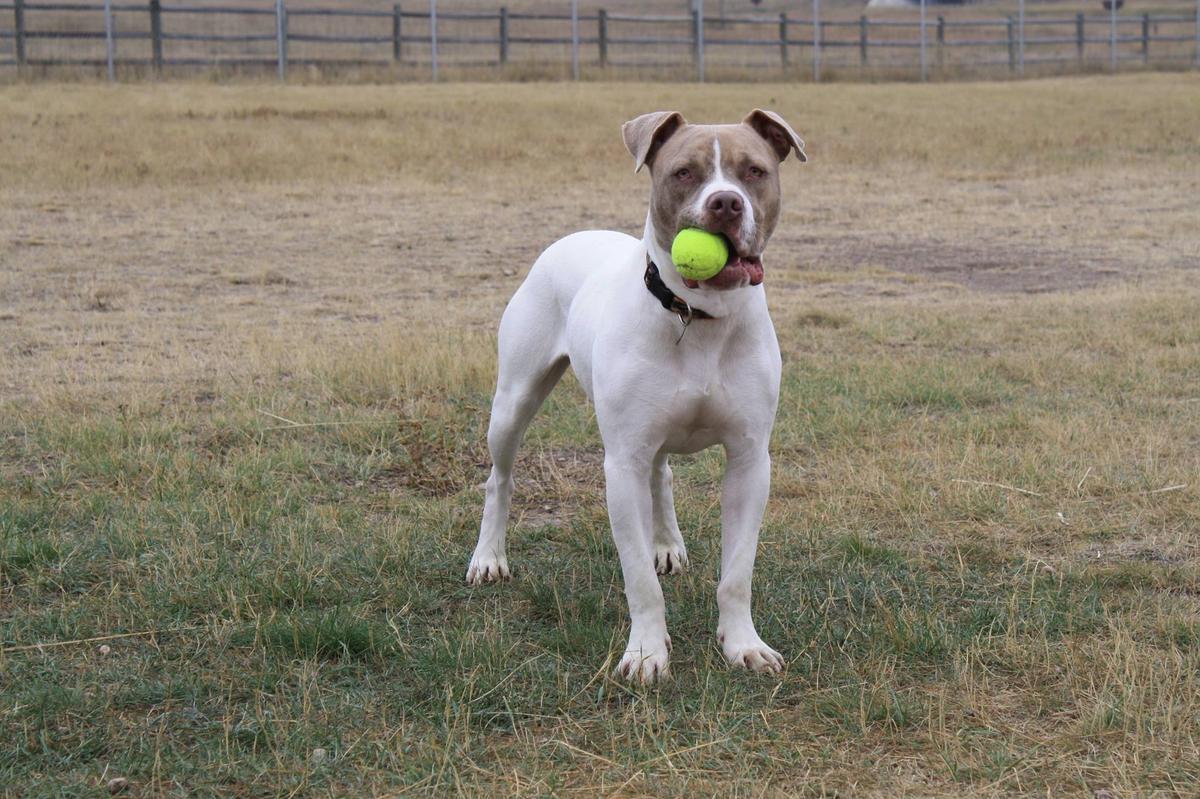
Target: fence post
x,y
110,45
433,41
1145,38
1021,37
602,36
1112,35
397,33
783,34
281,38
816,6
1012,47
924,61
574,39
698,37
503,34
862,39
19,32
1079,36
941,43
156,55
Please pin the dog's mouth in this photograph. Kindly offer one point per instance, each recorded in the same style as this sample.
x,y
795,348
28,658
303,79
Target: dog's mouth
x,y
739,270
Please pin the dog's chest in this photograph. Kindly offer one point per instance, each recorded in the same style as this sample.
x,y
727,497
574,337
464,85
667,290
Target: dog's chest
x,y
701,411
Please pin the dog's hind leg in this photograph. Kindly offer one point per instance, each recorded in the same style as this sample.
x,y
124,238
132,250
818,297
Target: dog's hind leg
x,y
670,554
530,366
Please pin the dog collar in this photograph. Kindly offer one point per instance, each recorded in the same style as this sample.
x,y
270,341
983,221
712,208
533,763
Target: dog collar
x,y
669,299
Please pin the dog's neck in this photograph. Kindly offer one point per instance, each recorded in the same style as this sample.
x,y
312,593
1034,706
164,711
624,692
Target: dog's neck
x,y
718,303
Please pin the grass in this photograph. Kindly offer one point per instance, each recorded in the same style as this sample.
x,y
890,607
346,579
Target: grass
x,y
89,136
237,498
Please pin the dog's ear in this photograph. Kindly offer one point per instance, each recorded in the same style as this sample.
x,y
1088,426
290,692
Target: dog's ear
x,y
778,133
645,134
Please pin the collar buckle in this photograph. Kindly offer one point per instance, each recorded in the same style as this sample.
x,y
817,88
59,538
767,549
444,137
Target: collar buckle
x,y
669,300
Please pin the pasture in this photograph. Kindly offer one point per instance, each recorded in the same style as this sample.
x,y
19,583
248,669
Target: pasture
x,y
246,356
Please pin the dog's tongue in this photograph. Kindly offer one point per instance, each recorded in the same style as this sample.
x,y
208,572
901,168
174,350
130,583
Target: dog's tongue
x,y
738,271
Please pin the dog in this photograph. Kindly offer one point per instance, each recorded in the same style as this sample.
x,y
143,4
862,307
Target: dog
x,y
671,365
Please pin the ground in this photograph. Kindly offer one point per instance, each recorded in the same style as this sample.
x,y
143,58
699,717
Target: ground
x,y
246,353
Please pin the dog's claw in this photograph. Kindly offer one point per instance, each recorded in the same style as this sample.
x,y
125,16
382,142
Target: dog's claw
x,y
749,652
670,560
646,666
485,570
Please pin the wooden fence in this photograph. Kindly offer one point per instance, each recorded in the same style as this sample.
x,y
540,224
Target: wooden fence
x,y
153,37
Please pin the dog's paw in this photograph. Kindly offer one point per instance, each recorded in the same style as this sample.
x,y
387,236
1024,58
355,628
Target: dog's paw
x,y
748,651
487,569
670,559
646,664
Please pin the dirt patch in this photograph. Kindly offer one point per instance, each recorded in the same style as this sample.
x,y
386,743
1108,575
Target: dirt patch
x,y
1170,552
551,483
986,266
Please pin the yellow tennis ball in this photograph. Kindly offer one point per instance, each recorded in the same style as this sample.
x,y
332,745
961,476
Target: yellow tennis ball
x,y
698,254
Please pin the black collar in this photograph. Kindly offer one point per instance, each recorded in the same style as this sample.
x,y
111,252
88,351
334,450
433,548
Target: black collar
x,y
672,302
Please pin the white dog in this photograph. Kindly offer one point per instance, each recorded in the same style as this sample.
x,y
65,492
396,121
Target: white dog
x,y
671,365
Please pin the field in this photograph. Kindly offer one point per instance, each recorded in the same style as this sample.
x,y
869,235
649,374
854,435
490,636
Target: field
x,y
246,356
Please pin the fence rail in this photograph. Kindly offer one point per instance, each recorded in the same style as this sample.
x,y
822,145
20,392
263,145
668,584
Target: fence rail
x,y
166,35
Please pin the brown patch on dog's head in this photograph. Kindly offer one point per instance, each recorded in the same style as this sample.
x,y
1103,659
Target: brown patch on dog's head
x,y
645,134
778,133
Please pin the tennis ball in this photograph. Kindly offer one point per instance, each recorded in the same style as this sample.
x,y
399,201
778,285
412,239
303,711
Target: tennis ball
x,y
698,254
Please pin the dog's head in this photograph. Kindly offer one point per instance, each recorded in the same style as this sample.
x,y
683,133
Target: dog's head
x,y
721,178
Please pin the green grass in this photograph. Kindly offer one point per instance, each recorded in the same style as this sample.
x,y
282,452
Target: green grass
x,y
302,588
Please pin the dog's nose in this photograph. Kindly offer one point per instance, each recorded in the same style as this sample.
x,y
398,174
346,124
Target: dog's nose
x,y
724,205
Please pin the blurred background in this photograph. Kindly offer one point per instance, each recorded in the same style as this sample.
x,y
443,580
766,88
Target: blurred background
x,y
597,39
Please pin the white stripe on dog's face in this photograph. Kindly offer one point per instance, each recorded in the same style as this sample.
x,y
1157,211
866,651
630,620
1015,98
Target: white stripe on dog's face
x,y
717,183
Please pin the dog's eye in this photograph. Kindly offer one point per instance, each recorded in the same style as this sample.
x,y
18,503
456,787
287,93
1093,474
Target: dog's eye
x,y
683,174
756,172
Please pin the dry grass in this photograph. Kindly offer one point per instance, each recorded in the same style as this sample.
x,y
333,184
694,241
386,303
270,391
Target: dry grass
x,y
978,288
181,229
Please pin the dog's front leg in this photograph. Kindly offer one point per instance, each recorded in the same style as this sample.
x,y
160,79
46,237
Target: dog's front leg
x,y
743,501
627,484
